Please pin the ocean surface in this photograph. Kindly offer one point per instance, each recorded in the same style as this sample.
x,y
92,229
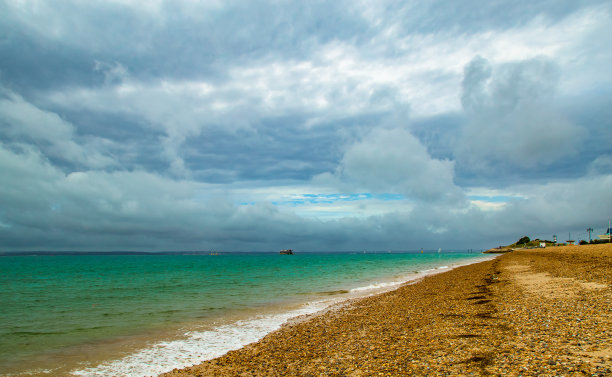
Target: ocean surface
x,y
140,315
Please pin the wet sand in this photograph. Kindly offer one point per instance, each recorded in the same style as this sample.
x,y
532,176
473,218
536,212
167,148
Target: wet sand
x,y
544,312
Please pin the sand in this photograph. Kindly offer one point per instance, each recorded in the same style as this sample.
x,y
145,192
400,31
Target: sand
x,y
540,312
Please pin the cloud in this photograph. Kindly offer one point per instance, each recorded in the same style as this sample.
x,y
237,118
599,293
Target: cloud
x,y
561,206
25,123
43,208
113,73
512,118
178,40
601,165
393,160
97,210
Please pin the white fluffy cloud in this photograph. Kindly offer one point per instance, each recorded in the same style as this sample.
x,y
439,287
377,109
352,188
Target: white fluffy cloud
x,y
394,161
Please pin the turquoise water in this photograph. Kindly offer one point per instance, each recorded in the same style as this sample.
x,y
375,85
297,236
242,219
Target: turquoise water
x,y
53,305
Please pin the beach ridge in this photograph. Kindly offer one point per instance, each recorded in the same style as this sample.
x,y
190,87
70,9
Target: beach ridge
x,y
540,312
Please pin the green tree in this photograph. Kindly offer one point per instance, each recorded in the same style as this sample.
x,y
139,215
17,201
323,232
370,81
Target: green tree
x,y
523,240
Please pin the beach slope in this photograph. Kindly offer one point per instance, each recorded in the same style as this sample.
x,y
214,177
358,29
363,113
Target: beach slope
x,y
545,312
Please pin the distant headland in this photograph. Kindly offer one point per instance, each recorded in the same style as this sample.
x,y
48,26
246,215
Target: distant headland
x,y
527,243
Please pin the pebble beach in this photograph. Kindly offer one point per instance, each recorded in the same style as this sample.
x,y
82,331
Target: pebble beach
x,y
544,312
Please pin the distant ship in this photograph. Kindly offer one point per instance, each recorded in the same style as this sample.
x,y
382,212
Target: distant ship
x,y
287,252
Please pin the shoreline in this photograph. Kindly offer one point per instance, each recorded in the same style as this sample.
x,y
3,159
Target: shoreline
x,y
543,311
372,292
247,327
176,344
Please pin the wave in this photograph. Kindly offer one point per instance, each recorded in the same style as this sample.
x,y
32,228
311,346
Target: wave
x,y
198,346
376,286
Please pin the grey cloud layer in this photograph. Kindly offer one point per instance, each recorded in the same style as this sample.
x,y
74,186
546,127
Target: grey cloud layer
x,y
179,125
512,117
182,39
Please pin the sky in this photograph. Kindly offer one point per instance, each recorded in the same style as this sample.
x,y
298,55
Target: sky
x,y
312,125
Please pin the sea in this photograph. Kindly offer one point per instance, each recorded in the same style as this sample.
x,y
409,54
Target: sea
x,y
145,314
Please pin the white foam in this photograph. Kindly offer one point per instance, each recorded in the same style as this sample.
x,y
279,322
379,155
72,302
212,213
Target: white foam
x,y
389,285
197,346
377,286
436,269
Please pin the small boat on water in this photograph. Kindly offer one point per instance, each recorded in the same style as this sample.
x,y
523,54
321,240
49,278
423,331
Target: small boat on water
x,y
286,252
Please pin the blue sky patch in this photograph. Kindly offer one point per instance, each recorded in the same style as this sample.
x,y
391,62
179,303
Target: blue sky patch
x,y
333,198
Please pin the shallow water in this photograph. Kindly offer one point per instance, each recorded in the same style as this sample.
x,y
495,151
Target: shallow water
x,y
146,314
